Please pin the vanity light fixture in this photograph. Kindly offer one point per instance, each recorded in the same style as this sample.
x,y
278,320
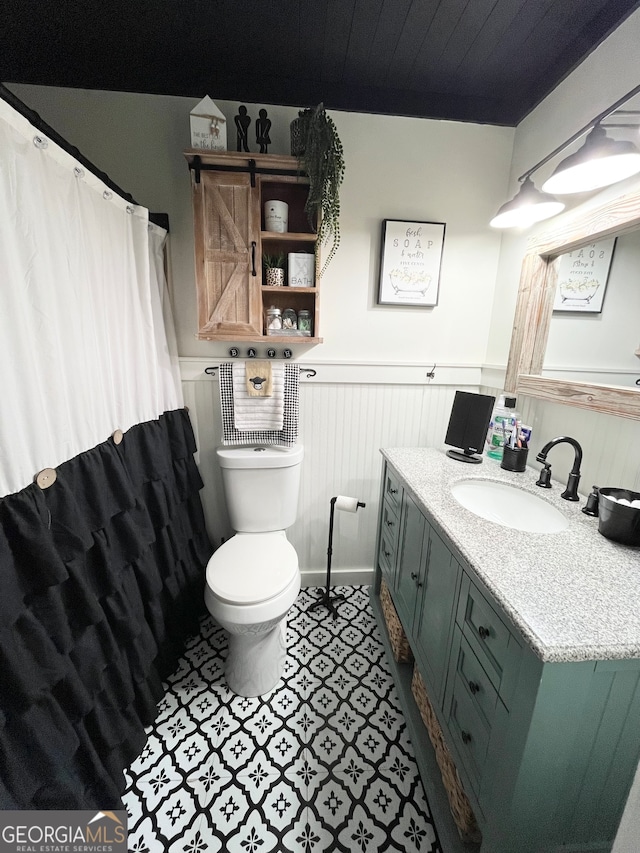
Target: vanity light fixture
x,y
600,162
529,205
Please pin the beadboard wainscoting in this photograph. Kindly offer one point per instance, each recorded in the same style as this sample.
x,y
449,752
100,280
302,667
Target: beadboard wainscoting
x,y
347,413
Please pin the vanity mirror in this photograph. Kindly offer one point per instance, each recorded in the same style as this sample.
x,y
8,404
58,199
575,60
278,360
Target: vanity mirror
x,y
534,308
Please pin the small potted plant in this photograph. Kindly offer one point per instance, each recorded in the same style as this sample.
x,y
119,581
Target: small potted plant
x,y
315,142
274,269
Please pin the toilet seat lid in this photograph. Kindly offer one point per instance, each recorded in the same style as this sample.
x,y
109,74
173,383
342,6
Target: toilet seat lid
x,y
252,567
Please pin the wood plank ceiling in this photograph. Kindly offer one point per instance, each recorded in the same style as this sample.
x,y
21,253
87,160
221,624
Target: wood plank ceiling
x,y
485,61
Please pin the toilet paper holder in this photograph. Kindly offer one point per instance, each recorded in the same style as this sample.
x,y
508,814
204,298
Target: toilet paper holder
x,y
346,504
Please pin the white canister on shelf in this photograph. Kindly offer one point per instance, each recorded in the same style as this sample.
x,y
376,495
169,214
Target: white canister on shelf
x,y
276,216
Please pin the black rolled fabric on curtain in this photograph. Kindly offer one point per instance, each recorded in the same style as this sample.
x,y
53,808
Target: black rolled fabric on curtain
x,y
102,582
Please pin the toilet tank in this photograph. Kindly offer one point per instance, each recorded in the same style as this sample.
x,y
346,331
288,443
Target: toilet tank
x,y
261,486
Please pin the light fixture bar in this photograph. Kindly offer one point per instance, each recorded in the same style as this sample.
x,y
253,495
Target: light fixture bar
x,y
582,132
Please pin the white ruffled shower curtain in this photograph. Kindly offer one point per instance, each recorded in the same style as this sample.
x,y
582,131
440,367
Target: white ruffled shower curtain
x,y
85,335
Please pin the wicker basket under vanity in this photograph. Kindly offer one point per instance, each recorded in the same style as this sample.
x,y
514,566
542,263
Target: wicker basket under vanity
x,y
461,811
399,643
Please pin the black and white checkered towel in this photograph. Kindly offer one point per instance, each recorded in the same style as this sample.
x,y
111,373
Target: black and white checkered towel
x,y
287,436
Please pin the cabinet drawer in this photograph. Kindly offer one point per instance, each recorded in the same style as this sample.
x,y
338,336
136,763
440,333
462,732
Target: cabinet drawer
x,y
469,731
392,489
387,553
488,636
480,690
390,525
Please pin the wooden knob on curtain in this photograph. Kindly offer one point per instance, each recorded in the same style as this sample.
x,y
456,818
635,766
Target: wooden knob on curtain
x,y
117,436
46,477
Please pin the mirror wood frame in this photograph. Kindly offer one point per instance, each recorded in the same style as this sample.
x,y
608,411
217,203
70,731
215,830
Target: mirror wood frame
x,y
534,306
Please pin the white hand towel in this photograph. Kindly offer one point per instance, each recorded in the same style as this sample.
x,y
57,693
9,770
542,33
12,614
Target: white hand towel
x,y
257,413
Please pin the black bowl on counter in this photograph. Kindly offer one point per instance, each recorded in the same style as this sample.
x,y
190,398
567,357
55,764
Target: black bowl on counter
x,y
618,521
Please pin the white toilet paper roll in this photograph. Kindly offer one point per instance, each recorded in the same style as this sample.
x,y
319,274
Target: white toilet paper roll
x,y
346,504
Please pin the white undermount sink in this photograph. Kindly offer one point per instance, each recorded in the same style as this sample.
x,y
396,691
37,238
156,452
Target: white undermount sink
x,y
509,506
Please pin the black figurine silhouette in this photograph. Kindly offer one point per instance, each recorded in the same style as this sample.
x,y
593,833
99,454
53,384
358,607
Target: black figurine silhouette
x,y
263,126
242,121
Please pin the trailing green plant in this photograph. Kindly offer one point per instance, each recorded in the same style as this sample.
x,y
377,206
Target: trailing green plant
x,y
322,159
273,262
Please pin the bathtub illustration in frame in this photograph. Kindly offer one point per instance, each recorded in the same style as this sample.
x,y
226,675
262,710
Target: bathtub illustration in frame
x,y
410,260
583,276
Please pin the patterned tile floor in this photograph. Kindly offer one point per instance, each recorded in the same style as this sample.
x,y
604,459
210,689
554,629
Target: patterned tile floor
x,y
322,763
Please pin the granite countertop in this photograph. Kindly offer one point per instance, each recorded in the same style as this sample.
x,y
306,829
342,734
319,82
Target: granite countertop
x,y
574,595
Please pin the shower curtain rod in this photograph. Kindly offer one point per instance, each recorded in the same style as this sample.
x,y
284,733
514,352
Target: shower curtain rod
x,y
161,219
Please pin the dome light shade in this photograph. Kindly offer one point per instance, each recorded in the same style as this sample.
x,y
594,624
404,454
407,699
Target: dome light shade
x,y
600,162
529,205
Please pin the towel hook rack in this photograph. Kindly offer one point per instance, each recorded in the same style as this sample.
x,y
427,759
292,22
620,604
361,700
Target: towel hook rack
x,y
308,371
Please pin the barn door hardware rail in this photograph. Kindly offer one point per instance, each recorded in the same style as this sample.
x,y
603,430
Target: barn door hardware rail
x,y
198,166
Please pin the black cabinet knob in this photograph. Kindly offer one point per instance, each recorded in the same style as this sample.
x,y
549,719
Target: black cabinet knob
x,y
414,576
393,491
466,737
474,687
484,632
387,554
389,523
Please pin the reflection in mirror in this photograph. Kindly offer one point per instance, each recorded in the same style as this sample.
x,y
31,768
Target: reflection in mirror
x,y
617,217
595,326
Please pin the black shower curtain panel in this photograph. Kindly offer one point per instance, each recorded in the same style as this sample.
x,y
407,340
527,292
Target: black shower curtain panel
x,y
102,579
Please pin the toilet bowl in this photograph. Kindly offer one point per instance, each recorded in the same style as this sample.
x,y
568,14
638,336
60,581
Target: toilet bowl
x,y
253,579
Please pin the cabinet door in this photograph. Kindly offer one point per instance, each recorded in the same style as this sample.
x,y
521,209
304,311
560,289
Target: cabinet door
x,y
227,245
409,561
434,622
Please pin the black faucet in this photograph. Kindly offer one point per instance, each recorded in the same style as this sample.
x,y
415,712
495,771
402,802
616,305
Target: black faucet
x,y
544,480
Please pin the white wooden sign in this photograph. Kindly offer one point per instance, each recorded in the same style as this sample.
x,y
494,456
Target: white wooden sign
x,y
208,126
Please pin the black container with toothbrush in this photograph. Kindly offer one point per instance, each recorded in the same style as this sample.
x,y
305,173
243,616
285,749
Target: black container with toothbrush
x,y
514,458
516,448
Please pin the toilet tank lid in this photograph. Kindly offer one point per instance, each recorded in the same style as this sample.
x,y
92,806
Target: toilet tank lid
x,y
260,456
253,567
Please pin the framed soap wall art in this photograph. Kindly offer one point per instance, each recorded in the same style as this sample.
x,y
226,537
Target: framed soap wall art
x,y
410,261
583,276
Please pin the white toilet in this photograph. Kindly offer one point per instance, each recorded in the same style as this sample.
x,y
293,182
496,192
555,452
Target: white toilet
x,y
253,578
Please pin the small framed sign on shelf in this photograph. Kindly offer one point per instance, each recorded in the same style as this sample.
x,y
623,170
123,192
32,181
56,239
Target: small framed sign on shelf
x,y
582,277
410,260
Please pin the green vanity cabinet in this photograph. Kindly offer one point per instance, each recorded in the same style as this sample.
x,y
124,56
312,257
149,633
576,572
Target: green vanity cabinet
x,y
546,751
